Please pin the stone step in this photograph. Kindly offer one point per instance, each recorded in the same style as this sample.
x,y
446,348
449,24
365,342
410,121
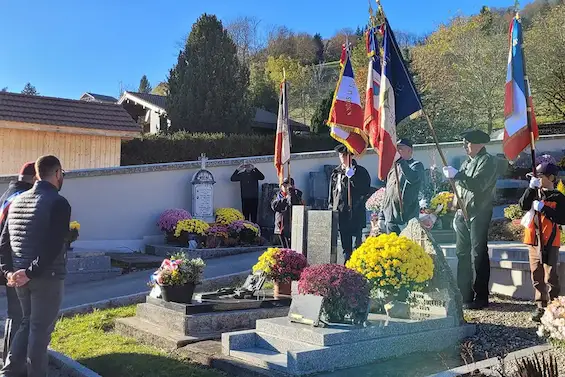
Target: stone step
x,y
169,319
262,358
153,334
90,263
279,344
91,275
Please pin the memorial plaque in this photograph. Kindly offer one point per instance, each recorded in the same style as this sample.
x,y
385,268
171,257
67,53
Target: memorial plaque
x,y
306,309
318,190
203,193
321,235
298,233
427,306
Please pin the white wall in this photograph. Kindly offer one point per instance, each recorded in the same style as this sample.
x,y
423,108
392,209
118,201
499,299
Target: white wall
x,y
119,206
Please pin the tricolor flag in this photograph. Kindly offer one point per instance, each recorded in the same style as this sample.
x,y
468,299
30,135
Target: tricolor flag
x,y
282,141
371,123
517,98
346,114
398,100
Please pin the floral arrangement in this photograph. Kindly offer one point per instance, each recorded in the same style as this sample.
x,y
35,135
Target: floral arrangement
x,y
442,203
345,291
74,228
240,225
169,219
192,226
545,158
375,202
226,216
281,265
553,320
218,230
514,212
434,183
392,264
179,270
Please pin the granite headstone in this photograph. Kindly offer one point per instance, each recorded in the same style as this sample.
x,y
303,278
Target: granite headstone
x,y
318,190
321,237
298,241
203,193
266,217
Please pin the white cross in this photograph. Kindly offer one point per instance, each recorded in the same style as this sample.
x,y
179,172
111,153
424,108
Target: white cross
x,y
203,160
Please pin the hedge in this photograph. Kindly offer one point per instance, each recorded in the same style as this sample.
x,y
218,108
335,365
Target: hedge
x,y
185,146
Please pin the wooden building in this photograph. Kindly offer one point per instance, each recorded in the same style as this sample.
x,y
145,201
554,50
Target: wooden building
x,y
82,134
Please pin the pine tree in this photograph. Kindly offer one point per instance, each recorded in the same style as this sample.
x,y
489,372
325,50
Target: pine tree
x,y
144,85
30,90
319,48
320,117
208,87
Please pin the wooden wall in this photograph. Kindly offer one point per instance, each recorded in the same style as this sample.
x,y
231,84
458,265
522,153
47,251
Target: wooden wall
x,y
74,150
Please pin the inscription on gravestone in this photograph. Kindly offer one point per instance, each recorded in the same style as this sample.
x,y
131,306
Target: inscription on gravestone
x,y
321,237
299,228
203,193
306,309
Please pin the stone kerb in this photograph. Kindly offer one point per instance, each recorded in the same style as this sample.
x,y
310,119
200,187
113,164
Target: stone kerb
x,y
442,287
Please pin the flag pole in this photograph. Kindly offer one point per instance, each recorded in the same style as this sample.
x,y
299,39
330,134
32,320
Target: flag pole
x,y
432,129
288,120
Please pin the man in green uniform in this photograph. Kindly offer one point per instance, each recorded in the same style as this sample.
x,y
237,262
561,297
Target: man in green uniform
x,y
475,182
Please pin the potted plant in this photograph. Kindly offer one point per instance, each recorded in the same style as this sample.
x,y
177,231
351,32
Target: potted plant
x,y
226,216
345,292
514,213
191,230
74,228
168,220
177,277
245,231
216,235
442,205
374,204
394,266
282,266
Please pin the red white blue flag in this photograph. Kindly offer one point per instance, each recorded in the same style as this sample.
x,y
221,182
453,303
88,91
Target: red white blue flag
x,y
518,98
371,123
282,140
346,114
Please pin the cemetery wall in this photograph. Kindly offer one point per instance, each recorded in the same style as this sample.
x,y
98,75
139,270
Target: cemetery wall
x,y
118,207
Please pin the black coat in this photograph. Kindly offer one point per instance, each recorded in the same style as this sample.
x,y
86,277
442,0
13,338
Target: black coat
x,y
249,181
282,205
360,190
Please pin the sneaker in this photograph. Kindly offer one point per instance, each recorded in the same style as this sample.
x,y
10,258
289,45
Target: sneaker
x,y
537,314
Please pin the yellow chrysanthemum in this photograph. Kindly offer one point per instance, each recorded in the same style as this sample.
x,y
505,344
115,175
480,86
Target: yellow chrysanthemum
x,y
192,226
226,216
74,225
445,199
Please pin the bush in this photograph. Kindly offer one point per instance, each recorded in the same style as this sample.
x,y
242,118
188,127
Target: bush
x,y
184,146
514,212
505,230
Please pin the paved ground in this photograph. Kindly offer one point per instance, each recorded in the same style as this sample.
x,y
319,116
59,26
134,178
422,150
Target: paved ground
x,y
136,282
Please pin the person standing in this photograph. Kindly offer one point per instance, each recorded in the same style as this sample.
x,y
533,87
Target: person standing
x,y
248,176
411,176
282,203
475,182
34,260
25,181
544,263
350,184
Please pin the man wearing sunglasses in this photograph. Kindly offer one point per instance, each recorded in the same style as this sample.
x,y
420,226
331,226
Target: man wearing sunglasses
x,y
34,261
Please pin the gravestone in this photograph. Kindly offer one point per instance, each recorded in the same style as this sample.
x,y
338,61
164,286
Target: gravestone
x,y
306,309
203,193
442,288
266,216
321,237
299,229
318,184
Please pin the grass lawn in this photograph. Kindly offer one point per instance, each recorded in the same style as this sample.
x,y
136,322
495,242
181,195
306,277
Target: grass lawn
x,y
90,340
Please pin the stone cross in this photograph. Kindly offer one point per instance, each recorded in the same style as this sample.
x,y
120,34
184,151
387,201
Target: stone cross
x,y
203,160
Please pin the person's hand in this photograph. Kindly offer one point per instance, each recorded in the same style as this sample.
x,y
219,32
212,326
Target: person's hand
x,y
18,278
535,183
449,172
350,172
537,205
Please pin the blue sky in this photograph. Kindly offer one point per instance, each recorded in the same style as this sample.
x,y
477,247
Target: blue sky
x,y
67,47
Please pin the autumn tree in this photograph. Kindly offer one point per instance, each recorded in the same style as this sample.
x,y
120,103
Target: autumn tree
x,y
162,89
245,33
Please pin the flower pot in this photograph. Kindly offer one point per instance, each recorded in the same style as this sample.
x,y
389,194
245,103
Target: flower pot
x,y
398,309
282,289
178,293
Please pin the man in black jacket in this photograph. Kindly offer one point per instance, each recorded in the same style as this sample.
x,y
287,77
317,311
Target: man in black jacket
x,y
25,181
34,261
410,175
248,176
350,184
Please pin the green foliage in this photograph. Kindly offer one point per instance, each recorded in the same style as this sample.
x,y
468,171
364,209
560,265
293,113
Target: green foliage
x,y
320,117
162,89
208,87
30,90
513,212
144,85
262,93
185,146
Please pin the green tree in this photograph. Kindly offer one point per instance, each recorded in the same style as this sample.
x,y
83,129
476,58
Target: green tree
x,y
319,43
144,85
162,89
262,93
320,117
30,90
208,87
4,89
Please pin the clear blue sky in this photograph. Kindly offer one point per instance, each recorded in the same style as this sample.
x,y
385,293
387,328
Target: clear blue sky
x,y
67,47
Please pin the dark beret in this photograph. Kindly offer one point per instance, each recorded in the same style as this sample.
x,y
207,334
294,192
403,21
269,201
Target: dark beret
x,y
476,137
342,149
405,141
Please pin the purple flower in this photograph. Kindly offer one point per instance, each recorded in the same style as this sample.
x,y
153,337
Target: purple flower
x,y
168,220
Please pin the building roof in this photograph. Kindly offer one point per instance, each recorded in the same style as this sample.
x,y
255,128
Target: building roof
x,y
557,128
98,97
266,119
151,99
65,112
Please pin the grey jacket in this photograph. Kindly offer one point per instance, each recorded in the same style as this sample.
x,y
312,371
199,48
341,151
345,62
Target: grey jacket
x,y
411,175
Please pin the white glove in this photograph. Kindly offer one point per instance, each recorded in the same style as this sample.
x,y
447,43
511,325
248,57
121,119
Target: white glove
x,y
535,183
423,203
349,172
449,172
537,205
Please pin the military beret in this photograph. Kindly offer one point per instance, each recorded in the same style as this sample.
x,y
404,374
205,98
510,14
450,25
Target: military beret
x,y
405,141
476,137
342,149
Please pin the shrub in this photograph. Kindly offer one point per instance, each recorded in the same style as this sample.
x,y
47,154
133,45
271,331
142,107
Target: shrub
x,y
281,265
514,212
185,146
191,226
345,292
505,230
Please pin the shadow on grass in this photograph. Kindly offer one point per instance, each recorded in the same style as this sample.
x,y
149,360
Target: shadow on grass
x,y
145,365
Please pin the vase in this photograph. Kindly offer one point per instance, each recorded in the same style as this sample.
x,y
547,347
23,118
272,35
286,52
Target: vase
x,y
178,293
398,309
282,289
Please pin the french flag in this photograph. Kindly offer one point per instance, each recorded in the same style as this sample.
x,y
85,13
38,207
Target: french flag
x,y
346,114
371,123
517,98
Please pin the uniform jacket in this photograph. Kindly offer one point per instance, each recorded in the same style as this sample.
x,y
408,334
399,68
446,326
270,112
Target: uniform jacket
x,y
411,176
282,205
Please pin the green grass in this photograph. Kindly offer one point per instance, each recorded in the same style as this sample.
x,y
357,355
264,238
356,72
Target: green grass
x,y
90,340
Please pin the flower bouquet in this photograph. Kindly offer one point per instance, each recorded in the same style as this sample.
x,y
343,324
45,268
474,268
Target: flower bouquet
x,y
177,277
394,266
553,320
443,206
191,230
74,228
168,221
282,266
345,292
245,231
226,216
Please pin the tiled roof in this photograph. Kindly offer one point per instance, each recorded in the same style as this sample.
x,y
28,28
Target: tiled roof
x,y
65,112
101,97
154,99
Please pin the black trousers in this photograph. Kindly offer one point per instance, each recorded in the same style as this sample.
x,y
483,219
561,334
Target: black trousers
x,y
347,230
249,208
285,241
13,320
472,240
